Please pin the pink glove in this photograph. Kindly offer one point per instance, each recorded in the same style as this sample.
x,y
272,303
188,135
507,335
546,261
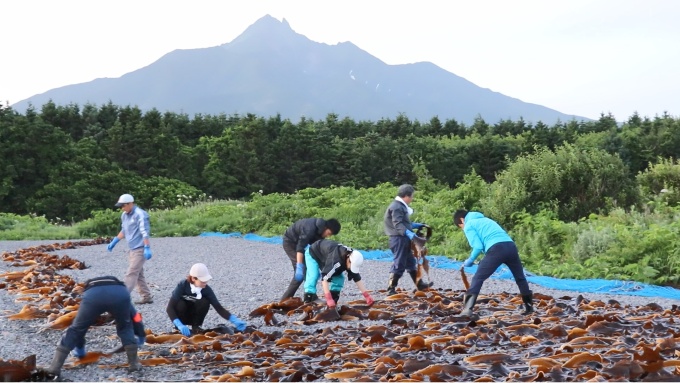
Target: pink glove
x,y
369,299
329,300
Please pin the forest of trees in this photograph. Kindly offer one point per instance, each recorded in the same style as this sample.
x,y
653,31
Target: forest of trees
x,y
64,162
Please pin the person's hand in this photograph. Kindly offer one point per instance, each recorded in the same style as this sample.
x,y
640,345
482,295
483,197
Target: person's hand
x,y
410,234
329,299
79,352
142,339
469,262
299,272
239,324
181,327
147,252
369,299
112,244
417,225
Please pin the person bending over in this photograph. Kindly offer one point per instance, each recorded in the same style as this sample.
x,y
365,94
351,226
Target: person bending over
x,y
191,300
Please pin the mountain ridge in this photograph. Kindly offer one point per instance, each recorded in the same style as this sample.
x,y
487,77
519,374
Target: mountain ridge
x,y
269,69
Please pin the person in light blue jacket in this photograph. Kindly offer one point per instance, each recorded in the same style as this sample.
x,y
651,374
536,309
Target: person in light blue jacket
x,y
486,236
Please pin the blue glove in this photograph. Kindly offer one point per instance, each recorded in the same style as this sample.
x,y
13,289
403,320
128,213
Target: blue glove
x,y
410,234
112,244
299,272
416,225
79,352
239,324
469,262
141,340
181,327
147,252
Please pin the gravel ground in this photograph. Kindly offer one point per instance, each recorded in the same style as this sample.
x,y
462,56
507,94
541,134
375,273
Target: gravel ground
x,y
246,275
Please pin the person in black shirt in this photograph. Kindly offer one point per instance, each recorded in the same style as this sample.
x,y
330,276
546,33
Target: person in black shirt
x,y
296,238
191,300
329,259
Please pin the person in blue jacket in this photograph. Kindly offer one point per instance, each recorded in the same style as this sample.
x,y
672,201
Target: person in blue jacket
x,y
486,236
100,295
191,300
398,226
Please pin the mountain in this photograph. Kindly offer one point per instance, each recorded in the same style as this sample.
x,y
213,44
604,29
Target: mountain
x,y
270,69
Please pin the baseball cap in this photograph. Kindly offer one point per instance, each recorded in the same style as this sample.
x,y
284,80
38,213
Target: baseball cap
x,y
200,271
356,260
125,198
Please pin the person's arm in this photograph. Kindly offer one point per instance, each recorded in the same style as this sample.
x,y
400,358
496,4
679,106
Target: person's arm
x,y
215,303
475,243
172,313
398,220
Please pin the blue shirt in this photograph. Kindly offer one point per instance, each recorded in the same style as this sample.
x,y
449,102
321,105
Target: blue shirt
x,y
135,226
482,233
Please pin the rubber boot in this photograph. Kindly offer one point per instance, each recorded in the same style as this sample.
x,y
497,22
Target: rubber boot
x,y
420,285
470,300
133,359
310,297
60,356
392,284
336,296
528,304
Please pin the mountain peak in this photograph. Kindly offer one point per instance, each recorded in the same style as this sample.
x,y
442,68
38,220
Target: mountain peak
x,y
265,27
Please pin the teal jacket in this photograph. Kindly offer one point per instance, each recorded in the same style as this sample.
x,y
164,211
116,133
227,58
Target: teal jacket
x,y
482,233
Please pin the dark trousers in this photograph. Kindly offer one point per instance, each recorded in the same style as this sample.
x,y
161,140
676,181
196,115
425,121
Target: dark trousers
x,y
500,253
403,256
192,312
114,299
289,248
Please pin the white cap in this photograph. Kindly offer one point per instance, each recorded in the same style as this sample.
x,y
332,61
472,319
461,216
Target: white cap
x,y
356,260
200,271
125,198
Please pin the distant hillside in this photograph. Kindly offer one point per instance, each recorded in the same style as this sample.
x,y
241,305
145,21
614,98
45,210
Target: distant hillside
x,y
270,69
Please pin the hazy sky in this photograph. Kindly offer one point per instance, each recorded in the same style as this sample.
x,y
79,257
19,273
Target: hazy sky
x,y
578,57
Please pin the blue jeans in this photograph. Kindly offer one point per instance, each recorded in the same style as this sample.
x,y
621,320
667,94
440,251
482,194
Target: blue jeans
x,y
314,273
97,300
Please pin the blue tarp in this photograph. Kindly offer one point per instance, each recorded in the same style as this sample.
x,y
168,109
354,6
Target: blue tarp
x,y
603,286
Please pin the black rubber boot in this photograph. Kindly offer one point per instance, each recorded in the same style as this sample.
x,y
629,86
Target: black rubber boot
x,y
310,297
392,284
528,304
420,285
133,359
336,296
470,300
60,356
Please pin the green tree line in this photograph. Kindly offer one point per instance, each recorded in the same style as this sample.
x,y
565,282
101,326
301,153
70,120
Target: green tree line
x,y
64,162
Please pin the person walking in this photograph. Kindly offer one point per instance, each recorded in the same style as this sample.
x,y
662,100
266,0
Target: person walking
x,y
296,238
191,301
328,259
486,236
136,229
398,226
100,295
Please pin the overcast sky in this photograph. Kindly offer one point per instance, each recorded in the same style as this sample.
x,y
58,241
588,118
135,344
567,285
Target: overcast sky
x,y
578,57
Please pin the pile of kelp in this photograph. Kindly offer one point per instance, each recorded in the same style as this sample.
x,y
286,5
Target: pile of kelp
x,y
418,337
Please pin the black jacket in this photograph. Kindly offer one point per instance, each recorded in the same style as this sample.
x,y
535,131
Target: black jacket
x,y
183,291
331,257
305,232
396,219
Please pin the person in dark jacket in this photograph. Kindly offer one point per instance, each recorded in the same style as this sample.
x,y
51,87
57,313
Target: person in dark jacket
x,y
399,228
329,259
296,238
191,300
486,236
100,295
